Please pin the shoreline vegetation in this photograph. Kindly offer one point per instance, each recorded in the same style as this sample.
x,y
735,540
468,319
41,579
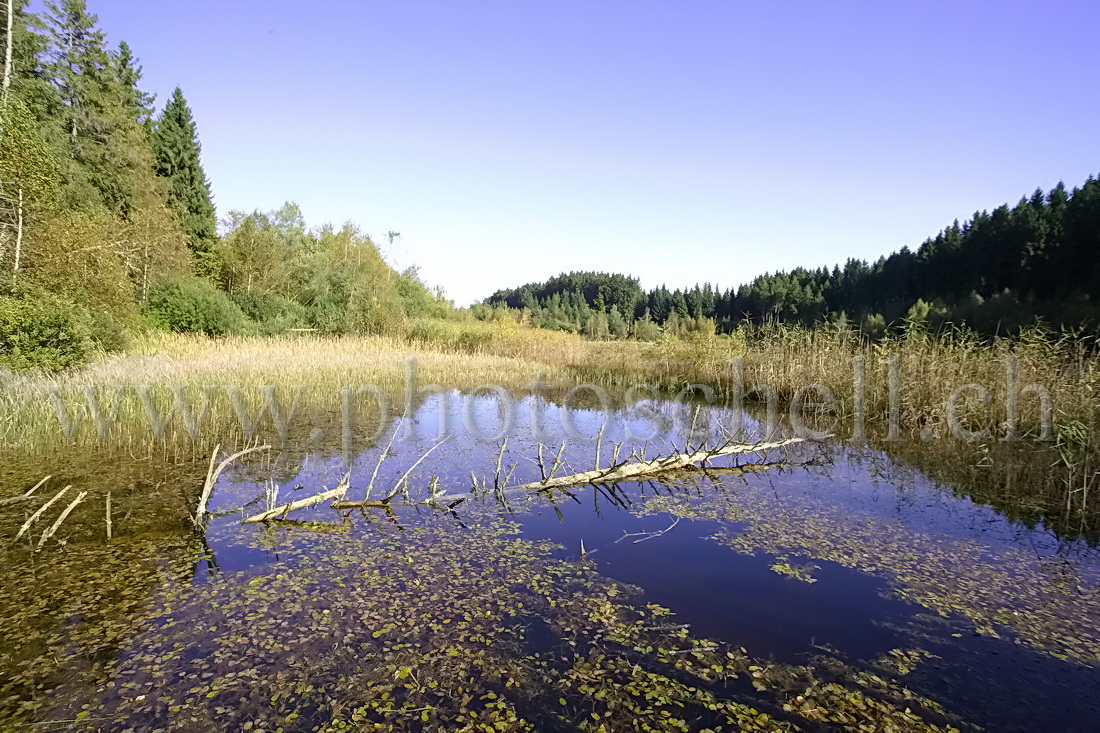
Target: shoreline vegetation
x,y
302,377
1037,386
116,270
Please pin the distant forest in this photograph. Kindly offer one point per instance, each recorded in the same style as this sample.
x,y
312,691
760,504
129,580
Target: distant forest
x,y
1001,270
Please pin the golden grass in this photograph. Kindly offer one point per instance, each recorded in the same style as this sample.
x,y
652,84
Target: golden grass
x,y
467,354
321,365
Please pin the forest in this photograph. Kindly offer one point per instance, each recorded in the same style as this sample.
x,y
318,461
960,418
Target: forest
x,y
995,273
108,227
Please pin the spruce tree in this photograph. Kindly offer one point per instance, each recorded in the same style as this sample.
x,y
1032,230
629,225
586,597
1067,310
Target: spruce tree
x,y
177,149
25,75
100,144
128,70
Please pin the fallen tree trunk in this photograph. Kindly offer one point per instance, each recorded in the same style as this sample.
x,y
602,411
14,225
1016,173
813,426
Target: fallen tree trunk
x,y
619,472
199,520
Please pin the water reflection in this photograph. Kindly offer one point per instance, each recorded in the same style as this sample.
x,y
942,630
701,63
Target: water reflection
x,y
838,551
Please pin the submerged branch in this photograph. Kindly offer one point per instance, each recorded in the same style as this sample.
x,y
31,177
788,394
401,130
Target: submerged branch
x,y
27,495
57,524
282,511
34,517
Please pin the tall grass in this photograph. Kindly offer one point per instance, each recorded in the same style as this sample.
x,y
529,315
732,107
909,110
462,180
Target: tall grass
x,y
461,355
457,354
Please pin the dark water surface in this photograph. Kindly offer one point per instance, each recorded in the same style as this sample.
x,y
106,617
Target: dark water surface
x,y
984,672
849,557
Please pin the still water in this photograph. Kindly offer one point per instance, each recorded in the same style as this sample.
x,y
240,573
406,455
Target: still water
x,y
825,565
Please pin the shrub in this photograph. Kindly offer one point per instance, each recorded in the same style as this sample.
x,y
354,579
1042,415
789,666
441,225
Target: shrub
x,y
326,293
417,300
196,305
553,324
270,312
40,331
370,311
873,327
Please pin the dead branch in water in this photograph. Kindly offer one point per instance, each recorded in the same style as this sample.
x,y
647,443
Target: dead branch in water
x,y
282,511
27,495
624,471
212,477
34,517
57,524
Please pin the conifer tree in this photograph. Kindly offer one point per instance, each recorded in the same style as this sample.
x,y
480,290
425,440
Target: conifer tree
x,y
177,149
128,70
24,74
97,140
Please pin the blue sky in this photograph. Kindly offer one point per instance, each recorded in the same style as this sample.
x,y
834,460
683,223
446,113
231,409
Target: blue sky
x,y
679,142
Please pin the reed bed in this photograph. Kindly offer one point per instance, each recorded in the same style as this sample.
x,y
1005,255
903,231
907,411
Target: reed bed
x,y
313,369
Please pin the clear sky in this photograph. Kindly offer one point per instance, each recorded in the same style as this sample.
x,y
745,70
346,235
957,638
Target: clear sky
x,y
680,142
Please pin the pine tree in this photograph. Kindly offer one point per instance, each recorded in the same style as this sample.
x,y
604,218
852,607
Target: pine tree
x,y
176,144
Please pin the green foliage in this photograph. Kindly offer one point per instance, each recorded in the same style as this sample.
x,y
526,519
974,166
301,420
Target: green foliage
x,y
29,181
645,329
92,128
418,300
916,320
129,73
326,295
252,257
597,290
596,326
994,272
272,313
617,326
873,326
194,305
375,311
40,331
28,49
27,164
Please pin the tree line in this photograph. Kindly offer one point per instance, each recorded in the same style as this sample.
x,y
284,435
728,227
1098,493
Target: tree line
x,y
107,222
995,273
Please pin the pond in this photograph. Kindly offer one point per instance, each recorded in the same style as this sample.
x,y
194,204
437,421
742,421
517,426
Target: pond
x,y
812,586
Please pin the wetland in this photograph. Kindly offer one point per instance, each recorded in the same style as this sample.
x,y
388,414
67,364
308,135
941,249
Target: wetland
x,y
813,586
